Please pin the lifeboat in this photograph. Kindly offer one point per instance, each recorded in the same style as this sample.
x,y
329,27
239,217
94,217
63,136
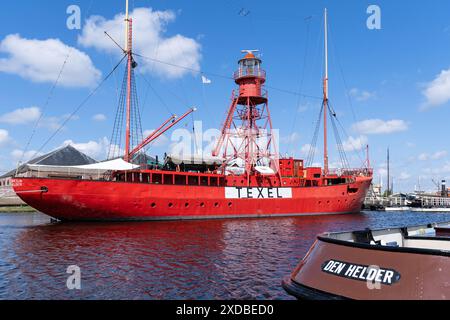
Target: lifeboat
x,y
411,263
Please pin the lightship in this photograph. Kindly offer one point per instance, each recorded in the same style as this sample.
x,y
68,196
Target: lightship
x,y
265,184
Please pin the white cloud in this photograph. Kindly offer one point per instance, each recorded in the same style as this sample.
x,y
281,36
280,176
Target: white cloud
x,y
304,150
304,106
4,137
94,149
41,61
444,169
99,117
355,144
20,155
31,115
382,172
361,95
439,155
162,141
21,116
404,176
149,29
293,138
55,122
437,92
435,156
377,126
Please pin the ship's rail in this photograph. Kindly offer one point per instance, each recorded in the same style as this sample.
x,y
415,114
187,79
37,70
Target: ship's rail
x,y
362,172
399,201
249,72
264,94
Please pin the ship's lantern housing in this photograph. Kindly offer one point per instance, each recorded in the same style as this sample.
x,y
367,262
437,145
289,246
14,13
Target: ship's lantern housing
x,y
250,77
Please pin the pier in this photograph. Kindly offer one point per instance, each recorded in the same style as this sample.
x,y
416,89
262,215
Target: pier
x,y
411,201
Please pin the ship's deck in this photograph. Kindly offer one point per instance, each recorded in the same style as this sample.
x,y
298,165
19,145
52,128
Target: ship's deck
x,y
430,237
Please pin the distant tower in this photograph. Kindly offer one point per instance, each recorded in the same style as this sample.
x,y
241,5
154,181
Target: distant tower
x,y
388,174
247,132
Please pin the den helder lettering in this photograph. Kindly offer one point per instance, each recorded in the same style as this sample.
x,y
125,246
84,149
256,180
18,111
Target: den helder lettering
x,y
360,272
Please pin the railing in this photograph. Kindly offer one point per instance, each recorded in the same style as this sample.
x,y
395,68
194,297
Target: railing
x,y
435,202
264,94
365,172
250,72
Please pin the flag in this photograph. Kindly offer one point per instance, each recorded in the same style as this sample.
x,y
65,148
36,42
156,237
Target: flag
x,y
205,80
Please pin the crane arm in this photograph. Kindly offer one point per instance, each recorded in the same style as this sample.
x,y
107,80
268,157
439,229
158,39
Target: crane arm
x,y
166,126
226,127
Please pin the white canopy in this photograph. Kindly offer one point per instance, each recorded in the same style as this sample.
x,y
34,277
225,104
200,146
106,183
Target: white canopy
x,y
113,165
265,170
117,164
234,170
238,162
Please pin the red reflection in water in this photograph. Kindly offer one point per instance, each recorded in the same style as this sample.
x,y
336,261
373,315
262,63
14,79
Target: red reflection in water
x,y
216,259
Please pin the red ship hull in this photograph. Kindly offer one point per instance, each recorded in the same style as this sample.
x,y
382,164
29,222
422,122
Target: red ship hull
x,y
84,200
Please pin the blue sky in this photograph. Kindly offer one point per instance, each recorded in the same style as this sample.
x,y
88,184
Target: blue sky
x,y
390,87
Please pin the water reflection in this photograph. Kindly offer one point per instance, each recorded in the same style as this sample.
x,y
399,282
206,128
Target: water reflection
x,y
217,259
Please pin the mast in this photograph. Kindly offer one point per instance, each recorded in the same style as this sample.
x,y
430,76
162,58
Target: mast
x,y
325,99
128,50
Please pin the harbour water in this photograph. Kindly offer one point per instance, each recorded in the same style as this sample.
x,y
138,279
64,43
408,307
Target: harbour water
x,y
216,259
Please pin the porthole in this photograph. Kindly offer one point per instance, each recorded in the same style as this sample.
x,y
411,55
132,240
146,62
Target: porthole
x,y
230,204
186,205
216,204
202,204
170,205
153,205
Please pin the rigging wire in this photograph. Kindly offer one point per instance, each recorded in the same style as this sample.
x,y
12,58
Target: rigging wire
x,y
116,138
49,97
150,86
302,79
211,74
93,92
147,93
341,151
206,105
156,54
116,80
355,148
312,147
341,70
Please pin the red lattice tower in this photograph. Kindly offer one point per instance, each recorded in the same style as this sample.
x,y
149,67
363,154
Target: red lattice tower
x,y
247,133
